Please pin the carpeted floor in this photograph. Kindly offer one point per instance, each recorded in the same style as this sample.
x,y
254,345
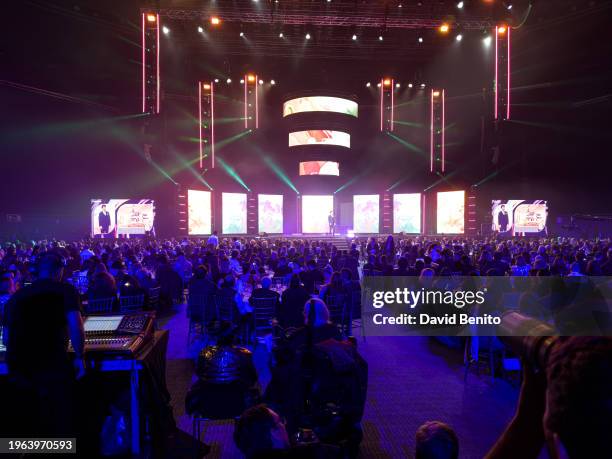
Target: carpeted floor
x,y
411,380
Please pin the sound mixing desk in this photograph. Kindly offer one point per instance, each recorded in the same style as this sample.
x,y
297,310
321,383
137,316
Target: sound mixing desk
x,y
118,335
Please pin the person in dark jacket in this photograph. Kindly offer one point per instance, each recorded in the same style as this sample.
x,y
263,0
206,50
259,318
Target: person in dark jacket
x,y
291,310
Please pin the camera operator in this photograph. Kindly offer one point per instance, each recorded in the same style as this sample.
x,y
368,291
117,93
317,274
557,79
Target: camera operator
x,y
567,406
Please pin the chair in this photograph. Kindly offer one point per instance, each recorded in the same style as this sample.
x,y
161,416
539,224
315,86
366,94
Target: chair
x,y
201,309
154,298
100,306
264,310
132,303
226,307
474,347
337,310
355,313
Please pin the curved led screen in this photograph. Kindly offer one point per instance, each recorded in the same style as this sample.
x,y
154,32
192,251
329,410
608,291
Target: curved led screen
x,y
320,104
320,137
319,168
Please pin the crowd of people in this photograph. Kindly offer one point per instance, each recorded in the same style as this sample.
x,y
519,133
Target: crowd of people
x,y
313,361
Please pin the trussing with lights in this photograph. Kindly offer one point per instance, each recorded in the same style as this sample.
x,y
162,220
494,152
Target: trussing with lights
x,y
206,109
150,62
502,73
387,104
437,147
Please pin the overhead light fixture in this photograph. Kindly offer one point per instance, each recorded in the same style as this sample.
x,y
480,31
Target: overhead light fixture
x,y
444,28
378,85
422,85
260,81
280,35
307,36
272,82
420,39
387,81
251,78
354,37
487,40
459,37
206,86
200,29
501,29
397,85
215,20
242,34
368,84
380,38
216,80
242,81
410,85
151,17
509,6
436,93
166,30
460,5
228,81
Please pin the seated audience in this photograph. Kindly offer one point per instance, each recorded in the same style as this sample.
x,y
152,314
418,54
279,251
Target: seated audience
x,y
436,440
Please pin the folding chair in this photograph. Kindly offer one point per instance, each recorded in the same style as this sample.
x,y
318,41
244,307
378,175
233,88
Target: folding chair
x,y
200,310
337,310
100,306
132,303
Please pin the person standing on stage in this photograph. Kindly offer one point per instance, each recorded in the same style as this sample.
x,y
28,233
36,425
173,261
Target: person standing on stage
x,y
38,321
332,222
502,219
104,220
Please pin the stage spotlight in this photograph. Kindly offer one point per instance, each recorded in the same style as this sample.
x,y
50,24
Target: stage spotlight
x,y
206,86
378,85
307,36
200,29
216,80
260,81
387,82
410,85
509,6
459,37
242,81
420,39
400,5
436,93
280,35
460,5
251,78
397,85
444,28
354,37
215,20
487,40
380,38
368,84
228,81
501,30
151,18
272,82
242,34
165,30
422,85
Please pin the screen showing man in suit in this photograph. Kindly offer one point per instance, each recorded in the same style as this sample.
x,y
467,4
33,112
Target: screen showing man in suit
x,y
516,217
119,217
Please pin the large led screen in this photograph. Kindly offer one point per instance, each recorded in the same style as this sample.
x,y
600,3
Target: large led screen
x,y
320,137
320,104
234,213
199,212
270,213
319,168
315,213
365,213
517,217
451,211
114,217
407,213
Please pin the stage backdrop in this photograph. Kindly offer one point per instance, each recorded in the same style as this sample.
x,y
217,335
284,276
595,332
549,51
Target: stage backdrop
x,y
366,213
234,213
451,212
270,213
121,216
516,217
199,212
407,213
315,211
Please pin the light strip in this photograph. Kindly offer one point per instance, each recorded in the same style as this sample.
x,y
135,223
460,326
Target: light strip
x,y
495,86
246,122
212,125
423,215
200,118
443,129
143,64
382,93
431,138
157,47
392,109
256,104
508,92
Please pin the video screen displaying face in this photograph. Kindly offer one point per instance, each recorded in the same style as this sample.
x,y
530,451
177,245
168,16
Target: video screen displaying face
x,y
199,219
315,213
407,213
320,137
319,168
320,104
366,213
451,212
118,217
270,213
234,213
517,217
